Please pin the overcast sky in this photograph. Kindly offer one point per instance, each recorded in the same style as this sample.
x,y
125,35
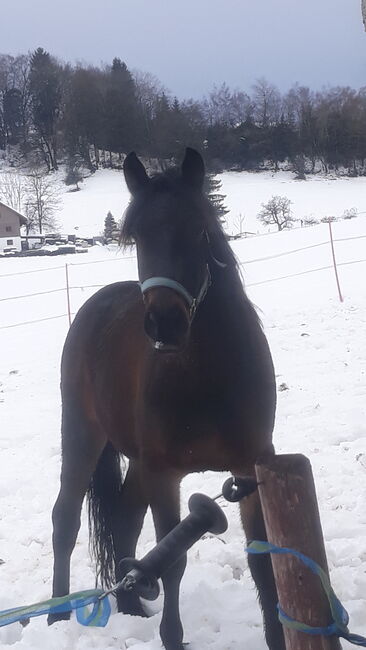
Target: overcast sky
x,y
192,44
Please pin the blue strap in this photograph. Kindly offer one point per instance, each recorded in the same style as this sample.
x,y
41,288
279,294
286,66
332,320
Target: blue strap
x,y
340,615
160,281
81,600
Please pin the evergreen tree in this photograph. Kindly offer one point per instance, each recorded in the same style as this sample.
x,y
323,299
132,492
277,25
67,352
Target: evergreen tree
x,y
281,141
212,188
73,173
122,113
111,230
45,92
83,118
12,114
163,131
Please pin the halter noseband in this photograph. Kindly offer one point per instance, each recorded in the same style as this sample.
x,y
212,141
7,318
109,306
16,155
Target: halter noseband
x,y
193,303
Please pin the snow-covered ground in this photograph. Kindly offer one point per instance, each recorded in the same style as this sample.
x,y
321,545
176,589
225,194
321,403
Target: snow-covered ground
x,y
317,197
318,345
83,213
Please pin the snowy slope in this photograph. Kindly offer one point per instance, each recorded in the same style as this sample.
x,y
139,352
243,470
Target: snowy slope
x,y
318,346
318,197
83,213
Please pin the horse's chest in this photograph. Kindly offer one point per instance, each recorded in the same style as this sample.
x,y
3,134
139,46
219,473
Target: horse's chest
x,y
190,442
195,422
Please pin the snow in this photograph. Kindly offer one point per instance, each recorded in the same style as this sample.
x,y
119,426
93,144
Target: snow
x,y
318,349
83,213
319,196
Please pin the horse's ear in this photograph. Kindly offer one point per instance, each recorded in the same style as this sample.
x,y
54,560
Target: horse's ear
x,y
193,169
135,173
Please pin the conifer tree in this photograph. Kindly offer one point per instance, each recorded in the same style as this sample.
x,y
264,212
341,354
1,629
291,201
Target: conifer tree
x,y
110,228
73,173
45,93
122,113
212,188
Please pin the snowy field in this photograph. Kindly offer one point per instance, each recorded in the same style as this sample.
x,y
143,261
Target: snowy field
x,y
83,213
318,345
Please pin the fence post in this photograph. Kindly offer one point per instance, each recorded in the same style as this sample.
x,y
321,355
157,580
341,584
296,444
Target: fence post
x,y
291,515
68,293
334,261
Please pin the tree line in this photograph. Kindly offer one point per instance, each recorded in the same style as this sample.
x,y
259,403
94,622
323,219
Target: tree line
x,y
52,113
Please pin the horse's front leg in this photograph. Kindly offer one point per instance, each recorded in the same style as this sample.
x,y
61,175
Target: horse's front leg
x,y
262,572
163,490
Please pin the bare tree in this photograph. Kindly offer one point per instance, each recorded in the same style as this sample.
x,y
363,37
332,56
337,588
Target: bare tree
x,y
13,190
277,212
267,103
238,224
309,221
148,89
352,213
14,99
330,219
43,200
226,107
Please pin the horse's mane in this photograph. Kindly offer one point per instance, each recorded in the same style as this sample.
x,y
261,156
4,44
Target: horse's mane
x,y
171,181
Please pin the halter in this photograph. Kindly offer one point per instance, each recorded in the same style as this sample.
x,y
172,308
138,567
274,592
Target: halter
x,y
193,303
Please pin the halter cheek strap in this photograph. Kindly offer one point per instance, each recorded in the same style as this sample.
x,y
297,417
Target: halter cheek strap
x,y
193,303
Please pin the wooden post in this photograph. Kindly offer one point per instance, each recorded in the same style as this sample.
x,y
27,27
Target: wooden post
x,y
291,515
68,293
334,261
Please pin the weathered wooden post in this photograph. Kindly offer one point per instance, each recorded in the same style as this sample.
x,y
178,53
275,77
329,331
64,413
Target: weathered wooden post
x,y
291,515
334,262
68,293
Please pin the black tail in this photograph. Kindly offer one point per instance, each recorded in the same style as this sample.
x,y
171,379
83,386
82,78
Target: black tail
x,y
103,495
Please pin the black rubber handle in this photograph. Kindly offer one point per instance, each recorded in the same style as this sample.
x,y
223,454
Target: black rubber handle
x,y
235,488
141,576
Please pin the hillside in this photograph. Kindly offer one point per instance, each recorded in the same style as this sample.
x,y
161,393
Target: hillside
x,y
318,348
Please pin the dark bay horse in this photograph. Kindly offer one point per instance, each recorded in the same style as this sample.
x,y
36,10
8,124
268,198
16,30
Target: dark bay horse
x,y
174,373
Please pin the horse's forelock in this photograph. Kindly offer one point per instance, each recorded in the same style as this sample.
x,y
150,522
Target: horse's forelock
x,y
171,182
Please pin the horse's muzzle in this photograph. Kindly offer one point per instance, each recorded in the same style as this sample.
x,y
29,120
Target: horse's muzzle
x,y
167,326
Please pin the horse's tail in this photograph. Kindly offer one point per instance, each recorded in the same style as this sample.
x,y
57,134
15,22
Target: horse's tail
x,y
103,494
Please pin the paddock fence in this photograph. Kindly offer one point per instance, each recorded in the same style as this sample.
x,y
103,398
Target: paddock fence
x,y
68,286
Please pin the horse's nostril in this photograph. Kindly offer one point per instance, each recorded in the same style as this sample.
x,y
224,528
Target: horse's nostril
x,y
168,326
151,325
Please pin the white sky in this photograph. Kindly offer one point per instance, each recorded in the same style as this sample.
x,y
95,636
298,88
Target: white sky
x,y
192,44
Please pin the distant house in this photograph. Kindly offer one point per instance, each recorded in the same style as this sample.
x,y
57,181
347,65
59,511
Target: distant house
x,y
10,224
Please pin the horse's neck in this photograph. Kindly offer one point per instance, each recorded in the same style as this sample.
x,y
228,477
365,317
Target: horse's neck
x,y
226,313
226,295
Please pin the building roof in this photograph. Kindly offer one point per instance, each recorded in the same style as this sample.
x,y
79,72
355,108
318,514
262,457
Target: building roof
x,y
23,220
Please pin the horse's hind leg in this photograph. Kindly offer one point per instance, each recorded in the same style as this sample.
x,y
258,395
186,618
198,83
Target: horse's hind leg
x,y
165,505
262,572
127,520
81,448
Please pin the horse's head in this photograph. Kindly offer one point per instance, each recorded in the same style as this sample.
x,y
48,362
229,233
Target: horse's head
x,y
167,219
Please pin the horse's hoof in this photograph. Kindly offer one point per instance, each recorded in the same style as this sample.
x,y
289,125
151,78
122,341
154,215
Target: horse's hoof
x,y
130,604
176,645
136,612
53,618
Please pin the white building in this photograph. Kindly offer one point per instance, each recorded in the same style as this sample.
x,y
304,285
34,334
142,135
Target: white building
x,y
10,224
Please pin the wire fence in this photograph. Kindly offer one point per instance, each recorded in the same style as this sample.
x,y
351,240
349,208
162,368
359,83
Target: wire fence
x,y
68,288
